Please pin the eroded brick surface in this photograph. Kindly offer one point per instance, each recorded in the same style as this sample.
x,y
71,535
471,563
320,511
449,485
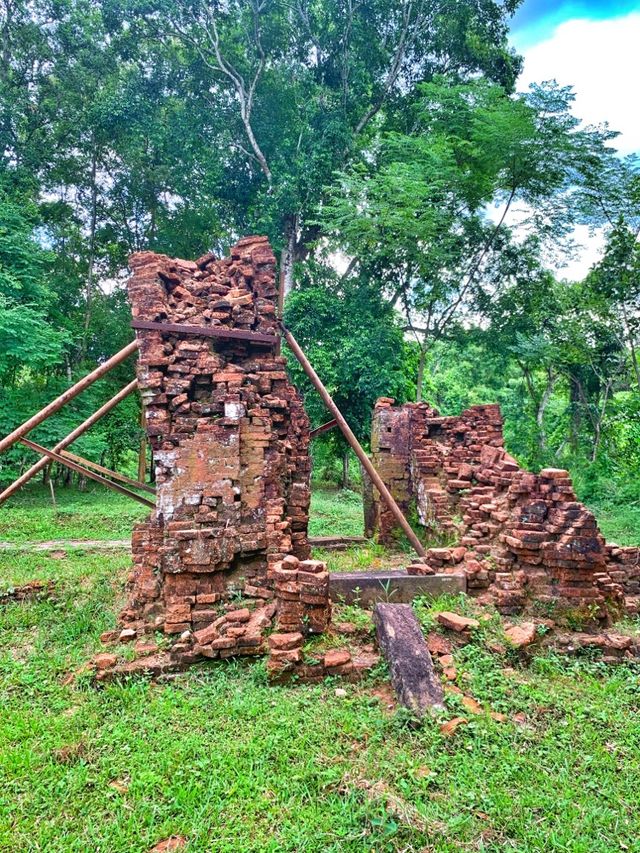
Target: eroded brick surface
x,y
230,442
523,539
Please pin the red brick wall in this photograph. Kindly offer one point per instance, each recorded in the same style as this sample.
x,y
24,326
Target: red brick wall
x,y
229,436
523,539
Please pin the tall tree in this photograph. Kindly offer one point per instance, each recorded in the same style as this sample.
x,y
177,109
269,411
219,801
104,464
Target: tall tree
x,y
614,285
295,90
417,210
355,344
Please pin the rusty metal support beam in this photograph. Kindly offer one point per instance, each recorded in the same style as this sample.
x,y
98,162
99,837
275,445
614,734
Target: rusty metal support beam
x,y
69,439
69,394
86,472
114,475
376,479
324,428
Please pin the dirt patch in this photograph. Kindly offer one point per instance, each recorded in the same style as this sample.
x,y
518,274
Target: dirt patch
x,y
70,753
58,547
386,696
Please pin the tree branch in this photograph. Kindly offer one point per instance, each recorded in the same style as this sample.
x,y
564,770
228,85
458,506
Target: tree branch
x,y
396,65
215,60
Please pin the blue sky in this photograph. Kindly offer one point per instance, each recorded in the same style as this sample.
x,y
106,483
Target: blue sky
x,y
536,19
594,47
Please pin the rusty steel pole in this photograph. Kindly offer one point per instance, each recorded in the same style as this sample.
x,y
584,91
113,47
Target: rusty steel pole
x,y
69,439
86,472
115,475
377,481
69,394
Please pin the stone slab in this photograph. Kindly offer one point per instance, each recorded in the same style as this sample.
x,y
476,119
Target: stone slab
x,y
391,585
401,641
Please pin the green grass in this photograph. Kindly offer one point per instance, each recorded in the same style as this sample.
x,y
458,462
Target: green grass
x,y
618,523
96,513
335,512
234,765
100,514
361,557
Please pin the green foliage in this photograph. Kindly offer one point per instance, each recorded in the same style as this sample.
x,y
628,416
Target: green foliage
x,y
384,130
416,210
29,340
353,340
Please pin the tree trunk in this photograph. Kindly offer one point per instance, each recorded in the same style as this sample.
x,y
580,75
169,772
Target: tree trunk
x,y
53,496
576,414
345,470
286,259
598,421
632,347
420,376
92,246
634,359
542,407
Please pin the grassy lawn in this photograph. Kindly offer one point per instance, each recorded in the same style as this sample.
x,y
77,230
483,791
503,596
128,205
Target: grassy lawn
x,y
98,513
231,764
619,524
335,512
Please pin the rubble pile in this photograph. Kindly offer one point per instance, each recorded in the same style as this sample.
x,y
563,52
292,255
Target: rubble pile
x,y
522,539
303,610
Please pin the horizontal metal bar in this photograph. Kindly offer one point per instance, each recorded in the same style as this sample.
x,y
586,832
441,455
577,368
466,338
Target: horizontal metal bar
x,y
115,475
324,428
256,338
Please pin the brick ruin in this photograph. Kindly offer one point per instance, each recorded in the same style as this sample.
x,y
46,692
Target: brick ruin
x,y
223,558
222,567
523,540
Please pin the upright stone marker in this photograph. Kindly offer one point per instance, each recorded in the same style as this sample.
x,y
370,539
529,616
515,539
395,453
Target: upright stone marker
x,y
416,683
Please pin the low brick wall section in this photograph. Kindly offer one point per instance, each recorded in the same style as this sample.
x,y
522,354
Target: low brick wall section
x,y
523,539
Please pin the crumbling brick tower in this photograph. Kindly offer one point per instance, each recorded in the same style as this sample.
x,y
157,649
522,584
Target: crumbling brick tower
x,y
229,437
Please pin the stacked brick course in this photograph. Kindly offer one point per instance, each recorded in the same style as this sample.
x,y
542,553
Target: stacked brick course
x,y
303,609
230,442
624,569
522,538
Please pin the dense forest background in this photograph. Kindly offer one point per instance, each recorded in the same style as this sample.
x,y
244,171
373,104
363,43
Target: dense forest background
x,y
384,149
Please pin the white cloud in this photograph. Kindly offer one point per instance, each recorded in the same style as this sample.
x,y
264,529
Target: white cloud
x,y
589,248
588,243
601,60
